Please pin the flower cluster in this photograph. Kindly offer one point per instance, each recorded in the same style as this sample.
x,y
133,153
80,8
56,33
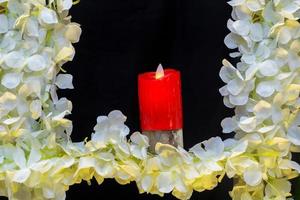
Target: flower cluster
x,y
38,160
264,90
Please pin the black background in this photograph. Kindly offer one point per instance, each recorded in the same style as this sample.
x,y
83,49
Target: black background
x,y
122,38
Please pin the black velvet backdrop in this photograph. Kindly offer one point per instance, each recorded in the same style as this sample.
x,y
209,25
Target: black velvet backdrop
x,y
122,38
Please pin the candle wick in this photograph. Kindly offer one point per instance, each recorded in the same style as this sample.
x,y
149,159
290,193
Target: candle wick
x,y
159,72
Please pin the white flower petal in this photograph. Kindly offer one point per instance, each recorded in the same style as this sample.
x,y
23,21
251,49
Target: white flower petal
x,y
268,68
249,58
247,124
241,27
230,41
270,15
239,100
48,16
147,183
227,103
11,80
235,54
263,109
253,176
227,73
65,54
256,32
246,196
239,148
138,152
293,135
19,158
213,166
64,81
139,139
295,46
251,71
65,5
284,35
73,32
293,61
236,2
229,125
36,63
235,86
34,157
32,27
265,88
214,145
36,109
290,8
10,121
281,187
14,59
3,24
254,5
8,101
266,129
223,91
21,175
165,182
289,164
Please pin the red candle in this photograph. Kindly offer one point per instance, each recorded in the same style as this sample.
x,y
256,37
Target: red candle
x,y
160,100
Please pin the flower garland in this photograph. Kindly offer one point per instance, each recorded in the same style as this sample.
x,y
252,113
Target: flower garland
x,y
39,161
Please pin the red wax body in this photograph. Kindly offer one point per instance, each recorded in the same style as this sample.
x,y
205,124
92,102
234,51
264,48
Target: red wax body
x,y
160,101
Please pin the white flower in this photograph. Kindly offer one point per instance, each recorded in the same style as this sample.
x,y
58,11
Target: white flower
x,y
237,89
21,175
112,130
209,156
140,145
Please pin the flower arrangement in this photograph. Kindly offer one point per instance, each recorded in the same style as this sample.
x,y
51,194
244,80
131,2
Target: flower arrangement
x,y
38,160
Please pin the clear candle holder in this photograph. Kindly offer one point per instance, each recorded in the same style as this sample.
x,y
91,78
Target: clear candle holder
x,y
171,137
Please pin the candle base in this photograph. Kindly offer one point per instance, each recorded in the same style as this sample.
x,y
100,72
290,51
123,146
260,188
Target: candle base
x,y
172,137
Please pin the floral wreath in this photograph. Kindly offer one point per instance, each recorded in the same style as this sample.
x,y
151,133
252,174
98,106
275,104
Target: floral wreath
x,y
36,39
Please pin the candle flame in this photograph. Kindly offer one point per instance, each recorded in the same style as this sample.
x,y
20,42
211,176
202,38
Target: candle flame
x,y
159,72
